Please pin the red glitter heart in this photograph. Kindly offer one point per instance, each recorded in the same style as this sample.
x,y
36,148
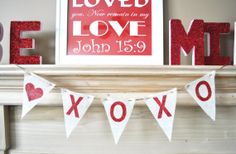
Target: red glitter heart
x,y
32,92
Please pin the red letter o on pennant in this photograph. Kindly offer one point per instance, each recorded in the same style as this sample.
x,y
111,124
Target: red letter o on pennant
x,y
123,111
197,90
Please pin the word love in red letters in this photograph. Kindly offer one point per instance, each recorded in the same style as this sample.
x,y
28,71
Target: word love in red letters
x,y
109,3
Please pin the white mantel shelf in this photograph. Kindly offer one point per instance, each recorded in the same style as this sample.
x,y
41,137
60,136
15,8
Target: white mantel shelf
x,y
117,81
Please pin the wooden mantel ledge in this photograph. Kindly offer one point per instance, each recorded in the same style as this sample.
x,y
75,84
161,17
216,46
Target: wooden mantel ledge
x,y
117,70
116,81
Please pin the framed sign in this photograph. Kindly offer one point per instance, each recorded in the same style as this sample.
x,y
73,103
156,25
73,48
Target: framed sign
x,y
109,32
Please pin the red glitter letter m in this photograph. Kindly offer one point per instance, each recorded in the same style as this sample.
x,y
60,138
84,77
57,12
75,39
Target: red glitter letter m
x,y
194,39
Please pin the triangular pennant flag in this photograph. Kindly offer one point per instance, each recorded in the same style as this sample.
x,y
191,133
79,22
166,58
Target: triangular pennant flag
x,y
34,90
162,107
118,113
203,92
75,106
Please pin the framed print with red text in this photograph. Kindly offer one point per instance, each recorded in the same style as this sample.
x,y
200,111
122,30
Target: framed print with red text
x,y
109,32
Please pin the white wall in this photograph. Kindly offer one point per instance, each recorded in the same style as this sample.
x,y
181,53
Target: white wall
x,y
45,11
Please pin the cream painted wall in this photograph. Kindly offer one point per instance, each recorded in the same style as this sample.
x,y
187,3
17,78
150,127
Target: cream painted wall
x,y
45,11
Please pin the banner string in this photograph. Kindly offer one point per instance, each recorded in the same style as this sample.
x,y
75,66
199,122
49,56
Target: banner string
x,y
23,69
105,98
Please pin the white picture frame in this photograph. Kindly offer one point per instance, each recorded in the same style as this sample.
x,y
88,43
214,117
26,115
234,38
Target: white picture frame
x,y
157,53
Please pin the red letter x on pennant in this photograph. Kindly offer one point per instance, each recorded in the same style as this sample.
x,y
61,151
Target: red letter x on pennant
x,y
162,106
74,106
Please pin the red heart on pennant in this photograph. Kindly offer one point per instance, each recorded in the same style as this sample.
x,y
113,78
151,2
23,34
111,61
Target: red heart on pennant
x,y
32,92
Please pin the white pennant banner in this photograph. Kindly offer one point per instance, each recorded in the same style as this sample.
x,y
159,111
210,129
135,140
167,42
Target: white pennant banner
x,y
162,107
75,106
34,90
118,113
203,92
